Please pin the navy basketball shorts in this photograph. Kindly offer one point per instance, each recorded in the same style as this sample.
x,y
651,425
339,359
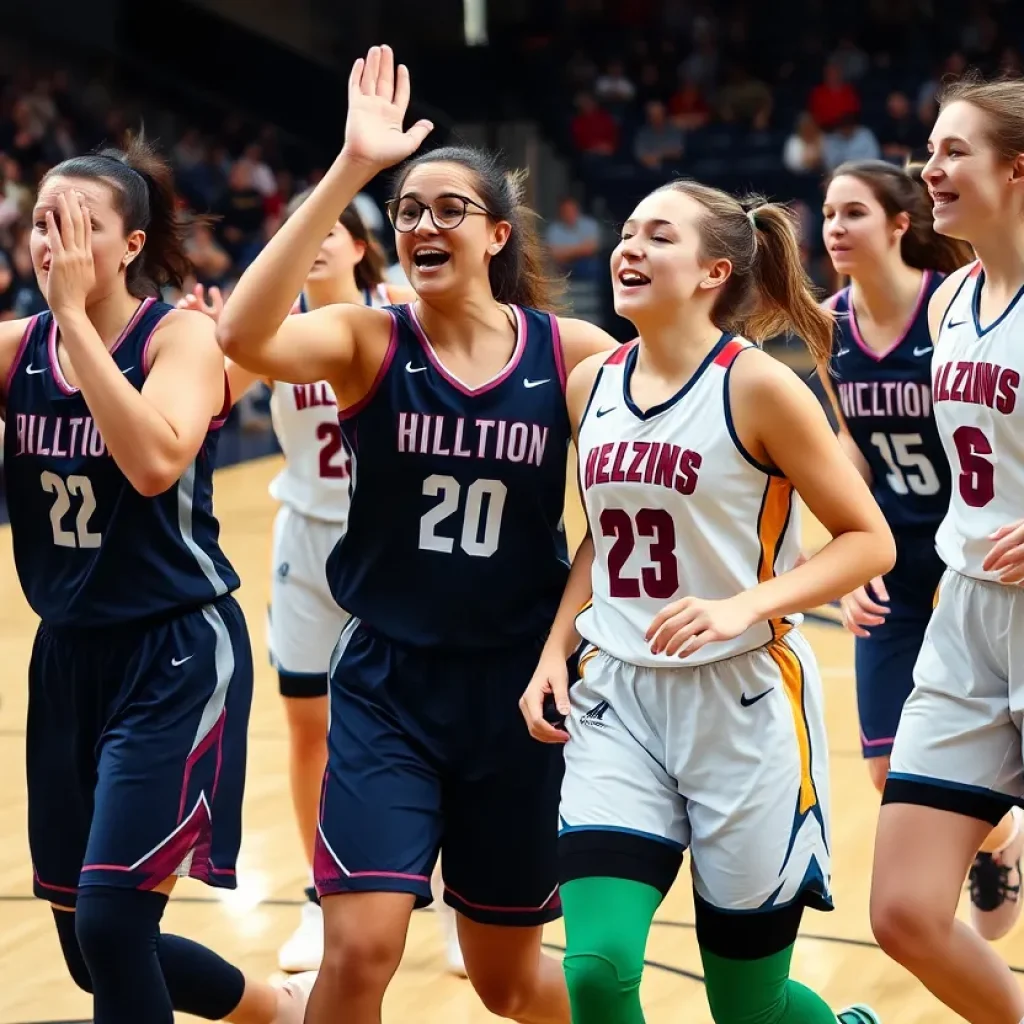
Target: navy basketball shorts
x,y
136,750
428,752
884,661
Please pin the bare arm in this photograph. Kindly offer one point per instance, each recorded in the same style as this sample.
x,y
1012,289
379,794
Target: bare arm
x,y
152,434
11,333
580,340
320,345
781,422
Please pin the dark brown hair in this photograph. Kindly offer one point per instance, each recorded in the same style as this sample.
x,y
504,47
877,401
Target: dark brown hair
x,y
1001,100
370,269
142,185
517,273
768,291
902,190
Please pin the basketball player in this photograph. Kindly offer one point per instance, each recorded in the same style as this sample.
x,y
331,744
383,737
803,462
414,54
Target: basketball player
x,y
878,230
698,719
313,489
452,566
956,763
141,674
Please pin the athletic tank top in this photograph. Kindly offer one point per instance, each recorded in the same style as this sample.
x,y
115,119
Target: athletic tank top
x,y
886,401
976,378
677,508
90,550
455,536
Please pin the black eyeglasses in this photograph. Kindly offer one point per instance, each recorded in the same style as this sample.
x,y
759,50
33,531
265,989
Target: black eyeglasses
x,y
446,212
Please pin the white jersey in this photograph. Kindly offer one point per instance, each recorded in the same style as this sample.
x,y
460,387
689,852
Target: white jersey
x,y
677,509
315,477
976,378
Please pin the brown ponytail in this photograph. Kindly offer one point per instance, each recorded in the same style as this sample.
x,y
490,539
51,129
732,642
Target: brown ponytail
x,y
143,186
768,290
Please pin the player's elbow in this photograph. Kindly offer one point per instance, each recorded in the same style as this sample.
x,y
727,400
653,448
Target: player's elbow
x,y
882,551
235,340
154,478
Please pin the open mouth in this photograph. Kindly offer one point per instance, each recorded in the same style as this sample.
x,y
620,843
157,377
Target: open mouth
x,y
630,278
429,259
943,199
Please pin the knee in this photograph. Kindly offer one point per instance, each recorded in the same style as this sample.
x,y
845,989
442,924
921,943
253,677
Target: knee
x,y
598,978
361,960
65,921
503,995
907,928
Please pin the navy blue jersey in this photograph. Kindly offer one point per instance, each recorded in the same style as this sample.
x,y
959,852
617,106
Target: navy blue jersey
x,y
886,400
455,535
89,549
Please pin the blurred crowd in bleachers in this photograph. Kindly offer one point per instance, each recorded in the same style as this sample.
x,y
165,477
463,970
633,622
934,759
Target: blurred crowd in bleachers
x,y
631,92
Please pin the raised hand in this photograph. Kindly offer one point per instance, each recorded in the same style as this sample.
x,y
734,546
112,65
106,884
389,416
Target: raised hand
x,y
378,97
195,300
72,273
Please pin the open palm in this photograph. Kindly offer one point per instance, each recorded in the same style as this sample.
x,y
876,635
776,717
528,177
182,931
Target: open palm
x,y
378,97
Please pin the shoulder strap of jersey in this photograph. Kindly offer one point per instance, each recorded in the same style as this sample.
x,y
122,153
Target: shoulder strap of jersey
x,y
618,355
730,350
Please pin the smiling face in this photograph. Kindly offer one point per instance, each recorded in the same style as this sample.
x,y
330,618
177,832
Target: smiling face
x,y
657,263
974,190
435,260
856,230
110,245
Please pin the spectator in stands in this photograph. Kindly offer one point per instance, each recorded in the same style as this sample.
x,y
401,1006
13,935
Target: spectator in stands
x,y
701,66
649,86
594,130
614,88
657,142
687,107
850,140
852,61
901,134
804,152
574,240
210,262
744,100
241,214
833,100
7,291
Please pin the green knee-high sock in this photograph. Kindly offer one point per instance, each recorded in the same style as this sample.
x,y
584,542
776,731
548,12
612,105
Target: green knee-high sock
x,y
760,992
607,921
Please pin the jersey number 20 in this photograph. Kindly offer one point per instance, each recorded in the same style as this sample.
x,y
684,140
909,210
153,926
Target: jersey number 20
x,y
481,515
74,486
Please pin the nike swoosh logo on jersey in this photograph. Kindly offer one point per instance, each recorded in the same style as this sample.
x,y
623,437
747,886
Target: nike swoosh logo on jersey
x,y
950,325
175,662
747,701
32,369
409,368
527,383
843,352
604,412
128,369
923,351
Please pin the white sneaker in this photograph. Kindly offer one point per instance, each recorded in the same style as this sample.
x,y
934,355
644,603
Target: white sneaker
x,y
304,949
995,882
449,927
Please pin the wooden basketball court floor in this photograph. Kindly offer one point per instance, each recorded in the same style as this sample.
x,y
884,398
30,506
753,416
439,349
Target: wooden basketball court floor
x,y
835,955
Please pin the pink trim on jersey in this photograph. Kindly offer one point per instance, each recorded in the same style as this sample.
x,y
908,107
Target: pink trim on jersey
x,y
489,385
619,355
833,300
54,888
875,743
51,345
389,358
225,410
551,901
976,269
213,738
22,345
855,329
556,342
